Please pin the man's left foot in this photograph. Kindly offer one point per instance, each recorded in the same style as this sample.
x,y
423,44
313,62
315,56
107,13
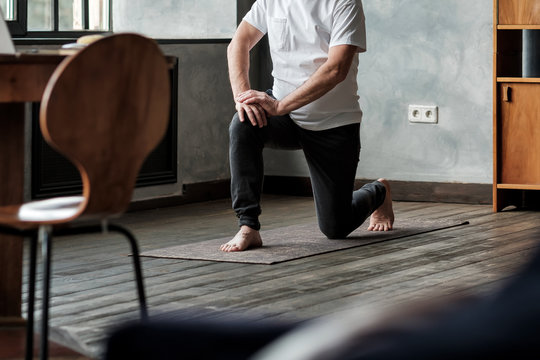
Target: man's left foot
x,y
245,239
382,219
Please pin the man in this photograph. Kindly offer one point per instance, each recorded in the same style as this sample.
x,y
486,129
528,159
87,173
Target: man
x,y
312,106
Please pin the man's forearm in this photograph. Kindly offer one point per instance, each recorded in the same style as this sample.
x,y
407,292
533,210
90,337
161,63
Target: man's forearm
x,y
320,83
243,41
238,62
331,73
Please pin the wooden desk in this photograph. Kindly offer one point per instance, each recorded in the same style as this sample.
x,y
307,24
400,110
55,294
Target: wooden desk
x,y
23,78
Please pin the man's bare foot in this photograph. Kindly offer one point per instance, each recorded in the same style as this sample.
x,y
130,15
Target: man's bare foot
x,y
382,219
245,238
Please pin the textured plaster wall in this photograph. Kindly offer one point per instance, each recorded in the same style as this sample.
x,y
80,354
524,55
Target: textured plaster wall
x,y
419,52
178,19
205,104
422,52
205,108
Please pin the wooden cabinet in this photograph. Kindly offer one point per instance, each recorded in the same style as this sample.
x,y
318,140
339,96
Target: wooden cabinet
x,y
519,129
519,12
516,119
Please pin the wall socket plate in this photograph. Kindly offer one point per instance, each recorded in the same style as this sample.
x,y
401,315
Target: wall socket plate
x,y
426,114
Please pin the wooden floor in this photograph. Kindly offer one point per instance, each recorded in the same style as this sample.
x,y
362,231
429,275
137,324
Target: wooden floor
x,y
93,289
13,342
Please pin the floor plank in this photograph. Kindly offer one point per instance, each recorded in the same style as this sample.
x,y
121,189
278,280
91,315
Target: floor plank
x,y
13,342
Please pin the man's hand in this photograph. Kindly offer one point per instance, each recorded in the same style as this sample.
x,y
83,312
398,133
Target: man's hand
x,y
254,112
252,97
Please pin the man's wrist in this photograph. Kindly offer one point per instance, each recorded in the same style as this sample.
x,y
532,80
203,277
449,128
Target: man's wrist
x,y
281,108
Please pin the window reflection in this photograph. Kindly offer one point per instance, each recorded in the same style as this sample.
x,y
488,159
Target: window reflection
x,y
71,15
8,9
39,15
99,15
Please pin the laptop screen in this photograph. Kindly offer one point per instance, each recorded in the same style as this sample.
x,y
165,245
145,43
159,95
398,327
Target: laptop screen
x,y
6,44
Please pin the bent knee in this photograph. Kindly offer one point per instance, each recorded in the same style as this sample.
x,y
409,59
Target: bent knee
x,y
238,128
334,232
235,123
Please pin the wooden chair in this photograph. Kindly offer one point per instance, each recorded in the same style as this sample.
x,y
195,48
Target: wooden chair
x,y
105,109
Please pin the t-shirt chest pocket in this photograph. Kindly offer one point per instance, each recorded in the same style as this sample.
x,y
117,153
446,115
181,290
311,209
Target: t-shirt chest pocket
x,y
278,33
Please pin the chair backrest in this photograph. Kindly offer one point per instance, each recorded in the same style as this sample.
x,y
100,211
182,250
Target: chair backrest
x,y
105,109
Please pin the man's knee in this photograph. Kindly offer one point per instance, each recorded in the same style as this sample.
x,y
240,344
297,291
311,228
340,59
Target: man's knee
x,y
334,230
237,128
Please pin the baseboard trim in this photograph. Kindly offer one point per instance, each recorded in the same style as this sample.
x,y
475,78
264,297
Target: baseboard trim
x,y
301,186
191,193
401,190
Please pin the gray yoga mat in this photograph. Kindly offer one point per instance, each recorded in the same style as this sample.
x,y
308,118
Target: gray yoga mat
x,y
298,241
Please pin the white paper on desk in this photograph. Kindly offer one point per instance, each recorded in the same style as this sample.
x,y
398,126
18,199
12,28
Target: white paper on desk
x,y
6,44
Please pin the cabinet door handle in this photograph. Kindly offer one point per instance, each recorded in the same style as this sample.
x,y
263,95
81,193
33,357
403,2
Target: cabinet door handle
x,y
507,93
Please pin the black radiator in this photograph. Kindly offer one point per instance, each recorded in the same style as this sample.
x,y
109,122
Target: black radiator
x,y
53,175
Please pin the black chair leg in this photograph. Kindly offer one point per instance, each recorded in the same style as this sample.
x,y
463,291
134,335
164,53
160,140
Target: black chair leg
x,y
46,250
136,265
134,249
31,299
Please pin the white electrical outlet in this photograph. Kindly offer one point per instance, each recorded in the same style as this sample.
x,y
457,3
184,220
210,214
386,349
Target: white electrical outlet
x,y
427,114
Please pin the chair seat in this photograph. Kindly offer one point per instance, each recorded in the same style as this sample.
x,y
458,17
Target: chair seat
x,y
54,209
48,211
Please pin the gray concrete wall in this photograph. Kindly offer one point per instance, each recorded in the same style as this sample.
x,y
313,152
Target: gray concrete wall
x,y
419,52
205,104
178,19
205,108
422,52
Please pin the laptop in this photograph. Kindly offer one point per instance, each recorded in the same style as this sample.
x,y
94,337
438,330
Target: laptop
x,y
6,44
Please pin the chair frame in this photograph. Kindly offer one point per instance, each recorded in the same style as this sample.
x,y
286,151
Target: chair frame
x,y
44,235
144,123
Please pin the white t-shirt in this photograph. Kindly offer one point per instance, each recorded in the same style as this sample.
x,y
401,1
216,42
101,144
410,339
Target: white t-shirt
x,y
300,33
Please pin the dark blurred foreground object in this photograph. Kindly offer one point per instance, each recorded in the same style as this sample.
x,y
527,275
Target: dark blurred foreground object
x,y
193,339
503,325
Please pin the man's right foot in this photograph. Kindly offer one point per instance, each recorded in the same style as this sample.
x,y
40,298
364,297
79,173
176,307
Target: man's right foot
x,y
382,219
245,239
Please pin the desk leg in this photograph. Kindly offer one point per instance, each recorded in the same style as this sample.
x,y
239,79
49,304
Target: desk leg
x,y
11,192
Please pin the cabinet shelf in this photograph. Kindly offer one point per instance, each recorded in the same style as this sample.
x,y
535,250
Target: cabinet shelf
x,y
517,80
519,186
518,27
